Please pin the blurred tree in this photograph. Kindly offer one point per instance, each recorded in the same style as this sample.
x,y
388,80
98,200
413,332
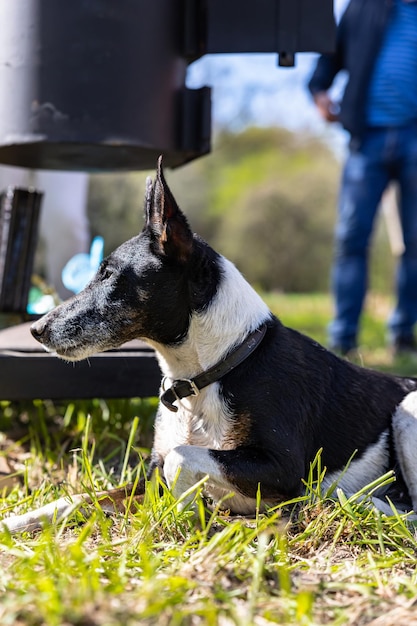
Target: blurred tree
x,y
115,206
265,197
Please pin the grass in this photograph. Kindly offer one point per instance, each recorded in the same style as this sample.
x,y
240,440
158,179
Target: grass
x,y
320,560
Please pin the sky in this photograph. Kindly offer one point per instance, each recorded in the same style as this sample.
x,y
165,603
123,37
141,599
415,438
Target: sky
x,y
250,89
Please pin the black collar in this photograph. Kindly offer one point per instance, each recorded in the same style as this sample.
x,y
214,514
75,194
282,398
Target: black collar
x,y
184,387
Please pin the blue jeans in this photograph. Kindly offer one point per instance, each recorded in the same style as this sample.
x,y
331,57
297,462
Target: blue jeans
x,y
385,154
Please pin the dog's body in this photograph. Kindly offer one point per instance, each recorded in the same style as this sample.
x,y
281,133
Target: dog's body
x,y
262,423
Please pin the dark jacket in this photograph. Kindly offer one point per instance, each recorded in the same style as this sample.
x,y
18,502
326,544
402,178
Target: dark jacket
x,y
359,37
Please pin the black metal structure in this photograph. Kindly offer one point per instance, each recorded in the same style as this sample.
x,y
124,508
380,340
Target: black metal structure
x,y
100,84
236,26
97,84
19,216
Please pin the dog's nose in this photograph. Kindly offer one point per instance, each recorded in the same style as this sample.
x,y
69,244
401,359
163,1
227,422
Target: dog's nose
x,y
37,329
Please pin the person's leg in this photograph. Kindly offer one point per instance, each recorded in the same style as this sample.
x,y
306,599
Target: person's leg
x,y
364,179
63,222
404,315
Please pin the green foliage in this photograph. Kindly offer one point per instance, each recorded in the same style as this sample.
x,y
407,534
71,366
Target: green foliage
x,y
115,207
266,198
270,207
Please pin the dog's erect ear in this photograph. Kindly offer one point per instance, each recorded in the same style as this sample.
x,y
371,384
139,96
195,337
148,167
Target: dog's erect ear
x,y
165,220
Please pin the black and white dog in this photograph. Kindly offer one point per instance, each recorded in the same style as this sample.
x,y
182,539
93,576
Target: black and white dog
x,y
244,400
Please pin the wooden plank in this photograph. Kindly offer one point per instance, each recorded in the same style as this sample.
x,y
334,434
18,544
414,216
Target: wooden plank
x,y
119,374
28,372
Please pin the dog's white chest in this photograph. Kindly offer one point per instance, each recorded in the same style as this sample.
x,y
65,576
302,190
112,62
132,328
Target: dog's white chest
x,y
203,421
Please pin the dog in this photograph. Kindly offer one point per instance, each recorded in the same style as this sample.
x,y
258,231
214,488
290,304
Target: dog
x,y
245,401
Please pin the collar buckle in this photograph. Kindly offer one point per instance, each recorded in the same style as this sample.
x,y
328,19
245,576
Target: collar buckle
x,y
193,389
180,388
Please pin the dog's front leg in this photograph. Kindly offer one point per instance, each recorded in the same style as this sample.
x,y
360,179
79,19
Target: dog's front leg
x,y
235,473
404,424
184,466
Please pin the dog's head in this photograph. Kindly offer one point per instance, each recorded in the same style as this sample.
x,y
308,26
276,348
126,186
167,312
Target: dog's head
x,y
147,288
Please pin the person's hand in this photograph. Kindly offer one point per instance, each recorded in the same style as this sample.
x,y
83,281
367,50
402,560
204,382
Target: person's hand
x,y
328,109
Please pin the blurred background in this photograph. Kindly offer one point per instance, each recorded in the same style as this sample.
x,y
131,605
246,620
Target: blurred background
x,y
266,195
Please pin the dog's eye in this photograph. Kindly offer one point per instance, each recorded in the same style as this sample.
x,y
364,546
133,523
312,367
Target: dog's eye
x,y
106,273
